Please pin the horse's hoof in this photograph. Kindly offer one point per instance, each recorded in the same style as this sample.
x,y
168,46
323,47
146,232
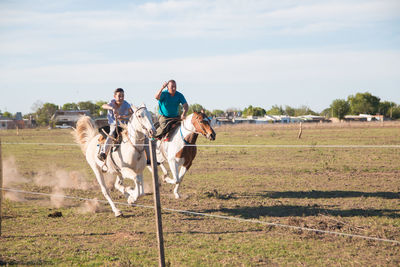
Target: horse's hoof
x,y
118,214
177,196
131,200
170,181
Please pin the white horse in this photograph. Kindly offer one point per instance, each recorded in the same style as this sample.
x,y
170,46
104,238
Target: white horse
x,y
181,149
128,161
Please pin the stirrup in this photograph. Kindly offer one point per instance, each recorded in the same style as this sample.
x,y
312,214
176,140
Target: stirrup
x,y
102,156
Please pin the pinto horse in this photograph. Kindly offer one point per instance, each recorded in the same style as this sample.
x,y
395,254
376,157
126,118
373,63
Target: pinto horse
x,y
181,149
128,161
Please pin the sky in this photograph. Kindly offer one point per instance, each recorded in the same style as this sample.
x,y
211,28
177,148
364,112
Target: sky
x,y
223,54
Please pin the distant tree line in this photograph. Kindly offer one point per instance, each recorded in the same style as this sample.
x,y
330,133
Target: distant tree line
x,y
360,103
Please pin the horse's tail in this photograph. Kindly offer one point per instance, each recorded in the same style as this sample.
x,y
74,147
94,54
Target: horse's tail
x,y
84,132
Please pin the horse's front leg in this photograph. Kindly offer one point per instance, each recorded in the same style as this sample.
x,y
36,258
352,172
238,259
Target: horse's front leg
x,y
119,185
163,169
182,173
174,167
134,193
177,177
100,180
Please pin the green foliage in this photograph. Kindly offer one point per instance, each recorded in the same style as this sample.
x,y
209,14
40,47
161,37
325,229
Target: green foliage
x,y
195,107
7,114
276,110
396,112
217,112
340,108
44,113
100,111
303,110
88,105
254,111
295,112
70,106
95,109
289,111
364,103
326,113
386,108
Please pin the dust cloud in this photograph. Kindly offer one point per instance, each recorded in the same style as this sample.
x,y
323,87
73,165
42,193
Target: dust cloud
x,y
58,180
11,177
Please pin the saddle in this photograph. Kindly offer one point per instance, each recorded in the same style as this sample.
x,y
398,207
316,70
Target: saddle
x,y
105,130
169,128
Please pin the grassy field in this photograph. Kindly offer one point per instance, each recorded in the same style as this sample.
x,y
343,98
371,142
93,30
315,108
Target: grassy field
x,y
347,190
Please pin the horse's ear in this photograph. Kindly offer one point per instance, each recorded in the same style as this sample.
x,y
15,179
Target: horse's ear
x,y
143,105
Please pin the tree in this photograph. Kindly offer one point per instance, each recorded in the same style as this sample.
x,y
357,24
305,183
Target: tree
x,y
396,112
195,107
99,110
386,108
70,106
254,111
340,108
289,111
88,105
276,110
44,113
364,103
303,110
327,113
217,112
7,114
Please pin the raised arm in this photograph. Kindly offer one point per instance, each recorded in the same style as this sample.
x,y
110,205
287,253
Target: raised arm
x,y
185,108
158,94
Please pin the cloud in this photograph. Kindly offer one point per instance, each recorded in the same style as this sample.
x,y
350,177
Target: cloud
x,y
212,45
205,19
254,66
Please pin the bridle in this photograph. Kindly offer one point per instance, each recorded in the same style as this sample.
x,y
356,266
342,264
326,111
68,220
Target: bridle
x,y
198,126
141,125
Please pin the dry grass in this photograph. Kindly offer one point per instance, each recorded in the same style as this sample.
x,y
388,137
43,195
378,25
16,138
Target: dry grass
x,y
355,191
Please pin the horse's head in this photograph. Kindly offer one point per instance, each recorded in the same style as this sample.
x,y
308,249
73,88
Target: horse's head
x,y
202,125
141,121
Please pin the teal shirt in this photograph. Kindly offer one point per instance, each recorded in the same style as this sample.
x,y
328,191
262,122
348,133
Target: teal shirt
x,y
168,105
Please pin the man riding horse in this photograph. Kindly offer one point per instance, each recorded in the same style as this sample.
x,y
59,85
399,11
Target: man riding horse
x,y
168,108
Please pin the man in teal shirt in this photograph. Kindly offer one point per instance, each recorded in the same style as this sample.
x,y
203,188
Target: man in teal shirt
x,y
168,106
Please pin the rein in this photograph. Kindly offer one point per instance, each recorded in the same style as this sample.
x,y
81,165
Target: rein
x,y
183,138
134,135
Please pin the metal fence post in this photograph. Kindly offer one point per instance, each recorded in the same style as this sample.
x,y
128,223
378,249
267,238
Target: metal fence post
x,y
157,205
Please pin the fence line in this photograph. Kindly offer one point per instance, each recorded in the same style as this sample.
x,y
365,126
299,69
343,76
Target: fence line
x,y
252,146
212,216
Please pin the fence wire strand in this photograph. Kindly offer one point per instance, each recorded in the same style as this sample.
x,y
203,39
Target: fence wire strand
x,y
252,146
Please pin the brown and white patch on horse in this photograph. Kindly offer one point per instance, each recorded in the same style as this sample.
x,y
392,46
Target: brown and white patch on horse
x,y
188,153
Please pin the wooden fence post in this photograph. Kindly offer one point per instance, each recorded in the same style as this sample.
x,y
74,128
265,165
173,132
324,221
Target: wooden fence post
x,y
1,186
300,130
157,205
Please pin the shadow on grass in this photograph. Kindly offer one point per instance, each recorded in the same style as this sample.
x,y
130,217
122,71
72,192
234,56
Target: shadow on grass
x,y
27,263
54,235
328,194
302,211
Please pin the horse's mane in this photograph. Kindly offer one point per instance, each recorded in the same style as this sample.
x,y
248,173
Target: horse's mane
x,y
84,132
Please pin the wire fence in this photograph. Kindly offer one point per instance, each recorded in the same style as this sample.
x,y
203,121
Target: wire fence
x,y
212,216
250,146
